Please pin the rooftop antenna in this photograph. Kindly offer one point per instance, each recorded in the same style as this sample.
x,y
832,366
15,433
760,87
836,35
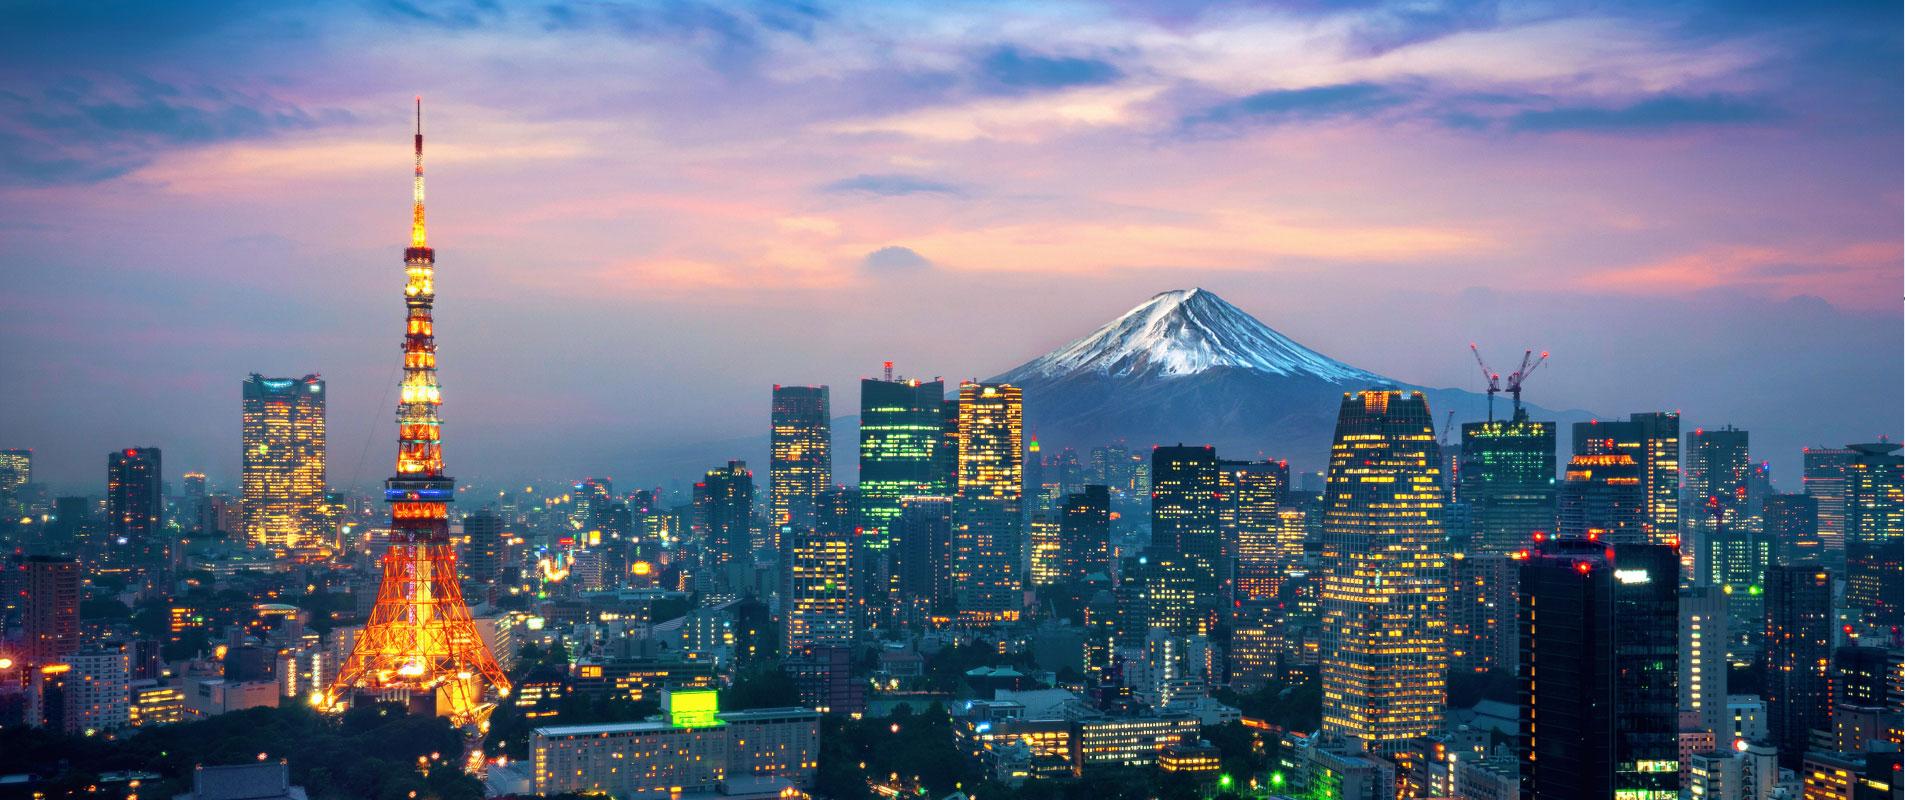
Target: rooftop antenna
x,y
889,370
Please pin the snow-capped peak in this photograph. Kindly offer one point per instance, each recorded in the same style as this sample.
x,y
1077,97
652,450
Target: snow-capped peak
x,y
1185,332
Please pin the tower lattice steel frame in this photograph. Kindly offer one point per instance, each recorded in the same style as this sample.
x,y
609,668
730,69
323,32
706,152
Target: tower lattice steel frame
x,y
420,637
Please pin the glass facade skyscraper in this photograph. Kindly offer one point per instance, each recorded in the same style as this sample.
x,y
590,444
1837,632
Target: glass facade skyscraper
x,y
1603,499
989,559
1824,477
1507,482
728,497
1386,577
906,436
1798,638
1652,439
1717,469
135,510
1874,531
283,461
1084,534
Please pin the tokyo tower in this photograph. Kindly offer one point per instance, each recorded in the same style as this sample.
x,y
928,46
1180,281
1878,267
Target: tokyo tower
x,y
420,641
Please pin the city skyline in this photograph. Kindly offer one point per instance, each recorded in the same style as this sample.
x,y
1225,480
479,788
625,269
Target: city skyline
x,y
982,154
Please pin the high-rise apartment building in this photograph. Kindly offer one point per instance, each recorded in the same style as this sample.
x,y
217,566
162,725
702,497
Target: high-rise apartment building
x,y
283,461
1824,479
1084,534
988,521
52,609
1185,514
1875,531
1603,498
1703,662
818,604
729,498
905,438
1652,439
1386,580
98,689
1791,522
1717,468
1599,638
1797,649
135,509
1482,633
1507,481
800,455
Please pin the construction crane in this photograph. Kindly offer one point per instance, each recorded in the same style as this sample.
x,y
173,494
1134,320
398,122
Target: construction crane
x,y
1494,381
1447,423
1528,365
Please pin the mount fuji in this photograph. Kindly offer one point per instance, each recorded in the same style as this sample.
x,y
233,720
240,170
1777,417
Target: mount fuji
x,y
1186,366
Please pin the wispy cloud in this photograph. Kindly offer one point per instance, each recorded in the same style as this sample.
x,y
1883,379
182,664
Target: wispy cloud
x,y
1292,104
1012,69
889,185
1659,113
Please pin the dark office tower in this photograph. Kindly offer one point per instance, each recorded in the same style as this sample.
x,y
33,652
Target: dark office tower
x,y
52,609
1824,478
1386,580
800,454
1038,503
1507,481
1798,646
1598,667
1875,531
1715,497
1071,472
16,471
1603,499
484,562
922,548
1184,511
1792,525
817,601
1482,634
283,462
730,509
1158,592
903,450
988,521
192,516
135,506
1084,534
1653,440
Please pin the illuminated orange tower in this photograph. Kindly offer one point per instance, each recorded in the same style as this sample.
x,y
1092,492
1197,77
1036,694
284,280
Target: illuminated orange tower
x,y
420,640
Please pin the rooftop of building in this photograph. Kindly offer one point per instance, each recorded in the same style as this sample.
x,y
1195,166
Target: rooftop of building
x,y
267,780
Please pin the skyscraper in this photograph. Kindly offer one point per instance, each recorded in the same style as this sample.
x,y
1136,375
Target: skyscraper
x,y
1875,531
1824,479
922,550
135,508
1703,663
988,543
1482,633
1507,481
52,609
1715,497
484,564
283,462
1603,498
904,452
1798,646
1386,584
818,606
730,512
1084,534
800,454
1792,525
16,471
1652,439
1185,492
1254,494
1599,637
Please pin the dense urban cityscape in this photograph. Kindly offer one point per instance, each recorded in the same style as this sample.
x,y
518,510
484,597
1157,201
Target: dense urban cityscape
x,y
978,614
648,539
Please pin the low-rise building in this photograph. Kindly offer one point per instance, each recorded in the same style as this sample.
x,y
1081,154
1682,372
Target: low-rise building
x,y
693,750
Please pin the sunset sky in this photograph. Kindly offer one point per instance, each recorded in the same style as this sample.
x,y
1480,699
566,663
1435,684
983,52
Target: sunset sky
x,y
646,214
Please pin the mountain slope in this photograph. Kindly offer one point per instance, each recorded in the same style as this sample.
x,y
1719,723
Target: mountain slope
x,y
1185,366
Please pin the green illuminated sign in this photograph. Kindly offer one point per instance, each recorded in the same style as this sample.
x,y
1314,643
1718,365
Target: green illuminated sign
x,y
692,709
